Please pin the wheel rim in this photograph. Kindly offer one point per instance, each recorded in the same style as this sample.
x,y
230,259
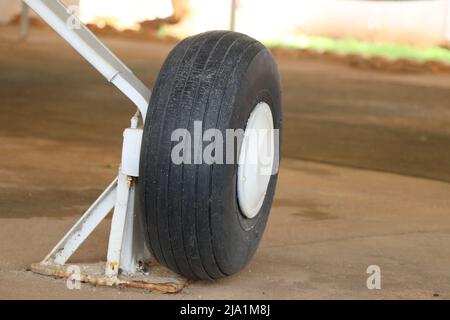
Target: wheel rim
x,y
255,160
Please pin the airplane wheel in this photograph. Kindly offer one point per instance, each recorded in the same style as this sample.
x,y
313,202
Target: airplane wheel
x,y
205,220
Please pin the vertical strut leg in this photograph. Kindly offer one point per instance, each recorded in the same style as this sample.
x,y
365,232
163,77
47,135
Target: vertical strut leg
x,y
116,235
134,252
24,21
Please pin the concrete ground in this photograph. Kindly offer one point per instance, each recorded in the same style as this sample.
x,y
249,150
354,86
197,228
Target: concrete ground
x,y
364,179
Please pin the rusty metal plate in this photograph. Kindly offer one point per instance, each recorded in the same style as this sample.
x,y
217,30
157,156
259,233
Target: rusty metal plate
x,y
158,278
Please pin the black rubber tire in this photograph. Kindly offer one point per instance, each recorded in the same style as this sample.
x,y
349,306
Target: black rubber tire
x,y
193,224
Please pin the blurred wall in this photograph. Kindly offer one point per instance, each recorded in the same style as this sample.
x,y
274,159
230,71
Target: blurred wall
x,y
419,23
124,14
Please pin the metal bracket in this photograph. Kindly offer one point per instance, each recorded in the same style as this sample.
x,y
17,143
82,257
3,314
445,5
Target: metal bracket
x,y
127,252
126,246
126,249
128,255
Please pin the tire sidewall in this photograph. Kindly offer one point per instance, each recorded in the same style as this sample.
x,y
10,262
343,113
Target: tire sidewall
x,y
237,237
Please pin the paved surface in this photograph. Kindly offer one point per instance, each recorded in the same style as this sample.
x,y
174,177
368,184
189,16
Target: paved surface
x,y
60,138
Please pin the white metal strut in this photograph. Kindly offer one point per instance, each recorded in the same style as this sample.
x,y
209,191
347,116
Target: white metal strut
x,y
126,248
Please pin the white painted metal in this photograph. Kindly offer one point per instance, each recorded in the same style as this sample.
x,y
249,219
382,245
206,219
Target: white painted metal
x,y
134,89
24,21
118,225
134,252
256,160
233,15
126,247
84,226
131,151
93,50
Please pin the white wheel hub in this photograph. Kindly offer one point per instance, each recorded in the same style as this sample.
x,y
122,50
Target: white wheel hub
x,y
255,160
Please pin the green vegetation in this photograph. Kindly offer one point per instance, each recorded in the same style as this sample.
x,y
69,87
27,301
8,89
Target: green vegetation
x,y
349,46
163,31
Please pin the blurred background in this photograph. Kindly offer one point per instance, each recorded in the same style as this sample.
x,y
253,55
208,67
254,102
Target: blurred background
x,y
398,38
411,22
366,170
